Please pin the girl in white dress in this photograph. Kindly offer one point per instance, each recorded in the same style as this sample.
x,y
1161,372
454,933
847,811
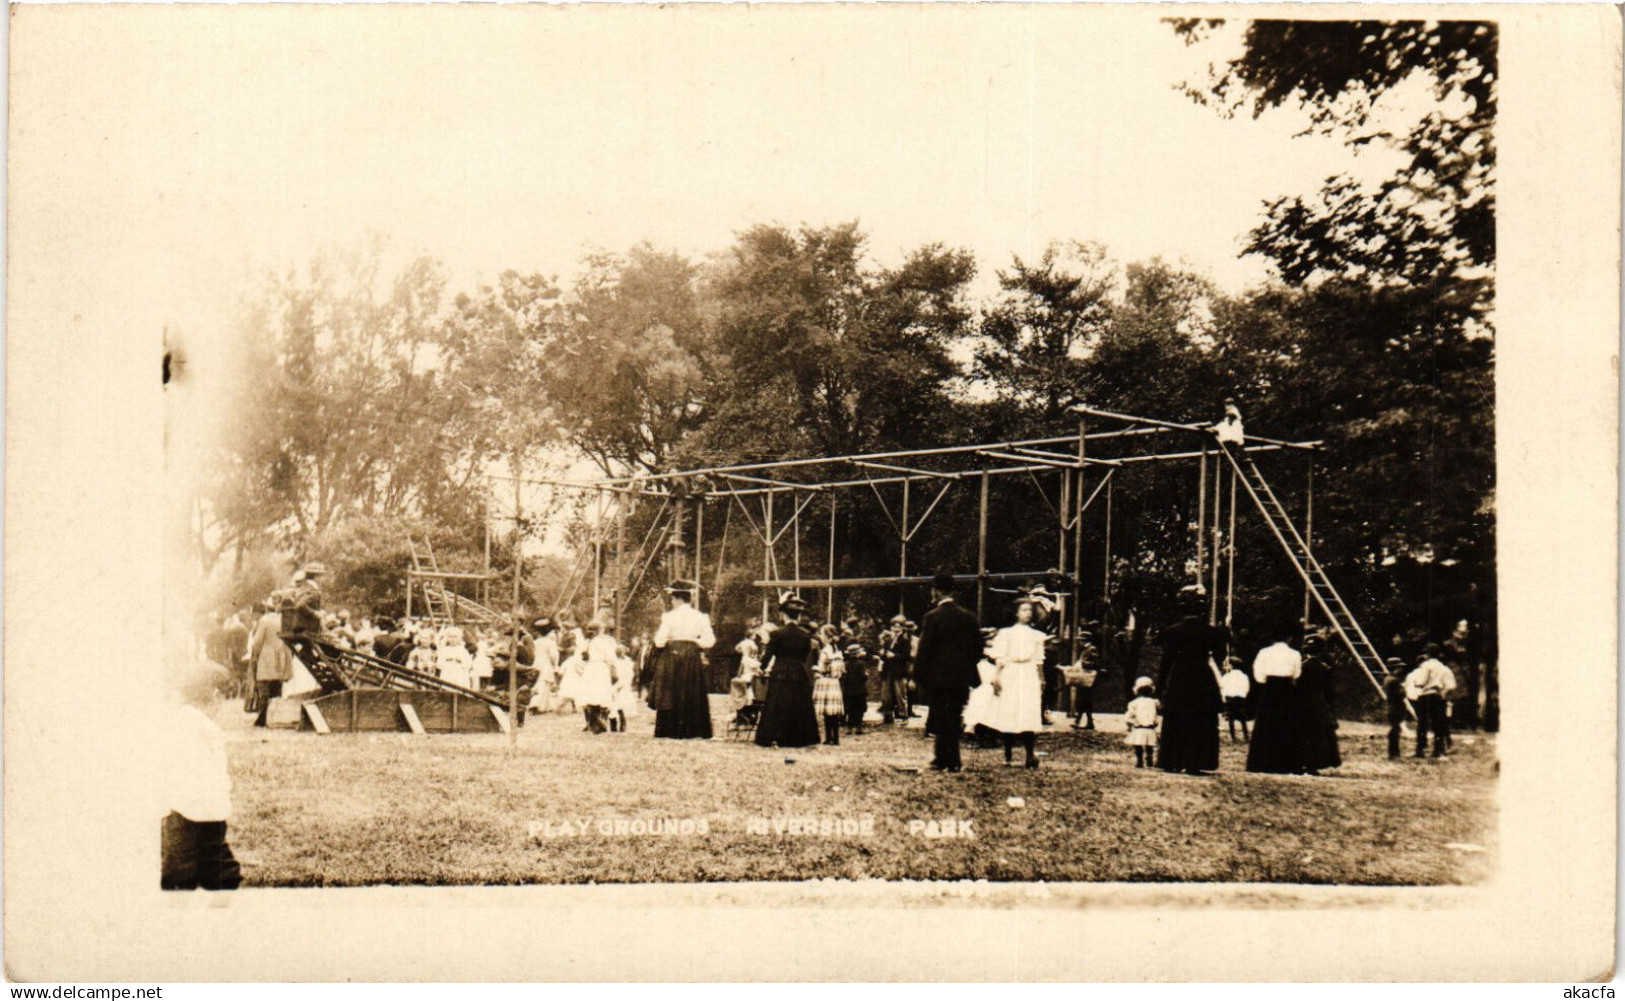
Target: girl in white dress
x,y
482,662
626,689
452,658
1140,722
595,688
1016,709
981,697
422,658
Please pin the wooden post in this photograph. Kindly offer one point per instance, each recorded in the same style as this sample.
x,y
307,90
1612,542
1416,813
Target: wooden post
x,y
485,585
518,570
597,555
618,593
1201,518
409,594
1308,536
699,547
902,559
1230,558
981,550
1106,558
767,553
1063,512
795,536
1077,544
829,592
1218,541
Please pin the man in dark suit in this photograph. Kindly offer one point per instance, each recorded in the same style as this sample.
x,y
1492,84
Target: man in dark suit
x,y
945,666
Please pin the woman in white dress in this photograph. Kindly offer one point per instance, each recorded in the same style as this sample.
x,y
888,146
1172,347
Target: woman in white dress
x,y
1016,709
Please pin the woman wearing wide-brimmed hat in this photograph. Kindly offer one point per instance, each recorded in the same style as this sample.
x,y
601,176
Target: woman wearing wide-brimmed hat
x,y
677,690
788,719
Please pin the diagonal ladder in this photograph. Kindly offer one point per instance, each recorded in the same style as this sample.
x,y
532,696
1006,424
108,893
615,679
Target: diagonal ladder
x,y
1303,560
434,594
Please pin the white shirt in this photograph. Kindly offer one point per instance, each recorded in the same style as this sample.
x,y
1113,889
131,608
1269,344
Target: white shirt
x,y
197,782
1142,711
602,648
1234,684
1431,677
1277,661
685,623
1018,644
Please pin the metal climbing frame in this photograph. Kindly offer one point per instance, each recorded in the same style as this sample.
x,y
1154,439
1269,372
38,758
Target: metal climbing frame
x,y
1072,472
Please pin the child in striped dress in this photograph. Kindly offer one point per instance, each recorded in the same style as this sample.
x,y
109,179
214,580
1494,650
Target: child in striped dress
x,y
827,699
1141,719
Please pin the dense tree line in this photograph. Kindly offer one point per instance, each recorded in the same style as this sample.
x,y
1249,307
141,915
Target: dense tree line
x,y
370,405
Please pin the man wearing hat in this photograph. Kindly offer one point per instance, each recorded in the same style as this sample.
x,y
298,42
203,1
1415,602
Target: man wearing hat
x,y
945,667
304,610
896,646
678,693
1393,688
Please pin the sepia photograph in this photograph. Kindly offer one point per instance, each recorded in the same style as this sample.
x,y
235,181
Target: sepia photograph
x,y
810,456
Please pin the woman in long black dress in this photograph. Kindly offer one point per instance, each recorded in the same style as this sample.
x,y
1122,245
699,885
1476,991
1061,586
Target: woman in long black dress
x,y
788,719
1189,688
1277,745
1317,721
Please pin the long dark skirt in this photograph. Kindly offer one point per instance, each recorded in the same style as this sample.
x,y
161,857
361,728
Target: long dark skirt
x,y
855,690
1277,745
677,694
1190,741
1318,735
787,718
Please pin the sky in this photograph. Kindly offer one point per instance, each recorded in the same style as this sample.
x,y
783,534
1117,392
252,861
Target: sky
x,y
497,138
165,156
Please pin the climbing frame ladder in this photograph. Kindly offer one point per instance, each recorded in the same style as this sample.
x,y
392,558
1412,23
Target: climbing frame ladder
x,y
1320,587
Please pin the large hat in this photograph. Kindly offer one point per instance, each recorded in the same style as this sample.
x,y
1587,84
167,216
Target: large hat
x,y
900,620
988,632
1395,663
680,587
943,580
542,624
1143,682
1192,595
1043,594
312,569
789,601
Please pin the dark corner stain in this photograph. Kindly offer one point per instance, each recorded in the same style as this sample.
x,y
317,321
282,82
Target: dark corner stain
x,y
166,368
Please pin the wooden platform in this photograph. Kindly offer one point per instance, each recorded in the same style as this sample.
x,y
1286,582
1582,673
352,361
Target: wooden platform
x,y
392,709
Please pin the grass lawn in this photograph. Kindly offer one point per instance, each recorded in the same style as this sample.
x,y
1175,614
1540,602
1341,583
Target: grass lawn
x,y
357,809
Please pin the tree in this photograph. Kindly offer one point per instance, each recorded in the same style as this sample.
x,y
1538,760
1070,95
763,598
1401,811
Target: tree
x,y
1431,224
346,401
826,353
627,370
1037,335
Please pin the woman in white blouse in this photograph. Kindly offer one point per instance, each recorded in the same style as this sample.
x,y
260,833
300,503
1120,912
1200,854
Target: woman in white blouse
x,y
1276,745
1016,708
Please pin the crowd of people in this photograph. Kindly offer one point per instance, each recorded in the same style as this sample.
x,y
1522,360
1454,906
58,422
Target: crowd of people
x,y
803,682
